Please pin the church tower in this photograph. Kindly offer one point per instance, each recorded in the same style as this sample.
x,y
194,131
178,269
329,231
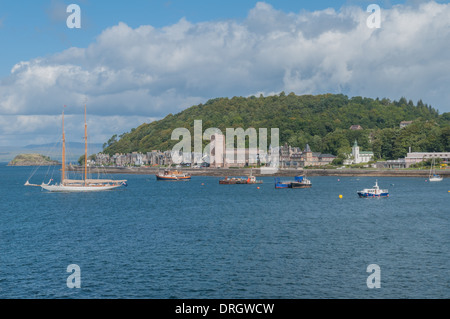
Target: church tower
x,y
355,153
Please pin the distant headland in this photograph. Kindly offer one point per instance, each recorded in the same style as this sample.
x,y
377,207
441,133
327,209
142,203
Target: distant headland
x,y
32,160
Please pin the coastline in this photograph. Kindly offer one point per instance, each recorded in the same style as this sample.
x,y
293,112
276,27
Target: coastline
x,y
221,172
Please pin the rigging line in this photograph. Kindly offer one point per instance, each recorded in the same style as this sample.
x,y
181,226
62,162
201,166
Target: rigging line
x,y
51,150
36,168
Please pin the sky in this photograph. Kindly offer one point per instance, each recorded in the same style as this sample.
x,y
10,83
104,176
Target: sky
x,y
133,62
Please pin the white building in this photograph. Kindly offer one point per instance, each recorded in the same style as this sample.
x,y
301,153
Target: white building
x,y
358,156
217,151
417,157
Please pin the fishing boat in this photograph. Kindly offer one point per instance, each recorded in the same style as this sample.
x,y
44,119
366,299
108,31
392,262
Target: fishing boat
x,y
240,180
433,177
298,182
373,192
172,175
78,185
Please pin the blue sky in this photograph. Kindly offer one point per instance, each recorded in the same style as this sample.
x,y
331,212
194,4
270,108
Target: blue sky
x,y
136,61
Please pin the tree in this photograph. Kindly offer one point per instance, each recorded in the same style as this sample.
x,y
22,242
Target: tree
x,y
111,141
81,160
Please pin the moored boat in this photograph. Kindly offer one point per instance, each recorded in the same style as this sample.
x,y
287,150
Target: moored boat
x,y
172,175
240,180
373,192
298,182
78,185
433,177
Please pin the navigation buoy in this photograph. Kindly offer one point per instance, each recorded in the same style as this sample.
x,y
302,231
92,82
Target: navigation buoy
x,y
340,196
257,187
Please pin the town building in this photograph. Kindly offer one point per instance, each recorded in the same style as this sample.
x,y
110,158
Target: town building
x,y
221,157
358,156
413,158
417,157
217,151
405,123
356,127
310,158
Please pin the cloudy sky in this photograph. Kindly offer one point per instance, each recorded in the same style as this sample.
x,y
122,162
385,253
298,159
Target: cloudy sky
x,y
136,61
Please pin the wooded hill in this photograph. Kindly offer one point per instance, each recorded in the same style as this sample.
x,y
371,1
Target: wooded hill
x,y
322,121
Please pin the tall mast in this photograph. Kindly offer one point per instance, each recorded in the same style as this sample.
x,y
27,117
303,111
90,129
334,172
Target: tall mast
x,y
63,170
85,145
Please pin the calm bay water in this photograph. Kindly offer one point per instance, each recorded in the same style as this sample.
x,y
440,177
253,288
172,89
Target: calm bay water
x,y
188,240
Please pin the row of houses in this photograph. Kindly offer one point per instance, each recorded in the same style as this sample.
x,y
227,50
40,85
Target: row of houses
x,y
285,156
289,157
152,158
294,156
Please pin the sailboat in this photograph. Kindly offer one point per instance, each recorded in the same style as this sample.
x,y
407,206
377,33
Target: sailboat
x,y
78,185
433,177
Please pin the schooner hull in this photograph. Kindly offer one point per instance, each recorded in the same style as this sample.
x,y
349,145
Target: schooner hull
x,y
73,189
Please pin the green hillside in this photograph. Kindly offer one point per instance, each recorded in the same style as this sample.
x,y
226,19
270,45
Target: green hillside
x,y
323,121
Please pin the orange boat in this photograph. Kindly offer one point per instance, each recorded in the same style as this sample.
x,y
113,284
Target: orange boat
x,y
172,175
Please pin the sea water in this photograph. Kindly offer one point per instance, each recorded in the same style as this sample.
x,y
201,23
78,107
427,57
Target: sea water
x,y
199,239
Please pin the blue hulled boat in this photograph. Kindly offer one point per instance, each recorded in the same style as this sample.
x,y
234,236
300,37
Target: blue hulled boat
x,y
298,182
374,192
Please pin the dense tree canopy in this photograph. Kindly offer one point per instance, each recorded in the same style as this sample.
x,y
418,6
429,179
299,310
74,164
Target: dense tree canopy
x,y
323,121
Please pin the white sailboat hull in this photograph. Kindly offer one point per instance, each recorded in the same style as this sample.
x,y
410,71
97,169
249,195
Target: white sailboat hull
x,y
435,179
71,188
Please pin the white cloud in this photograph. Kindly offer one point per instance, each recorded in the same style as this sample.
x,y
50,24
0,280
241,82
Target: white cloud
x,y
149,72
32,129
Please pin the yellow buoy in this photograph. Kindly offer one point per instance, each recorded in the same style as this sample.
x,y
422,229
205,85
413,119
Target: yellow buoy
x,y
340,196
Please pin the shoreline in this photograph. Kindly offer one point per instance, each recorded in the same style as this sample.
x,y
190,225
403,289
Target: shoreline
x,y
221,172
